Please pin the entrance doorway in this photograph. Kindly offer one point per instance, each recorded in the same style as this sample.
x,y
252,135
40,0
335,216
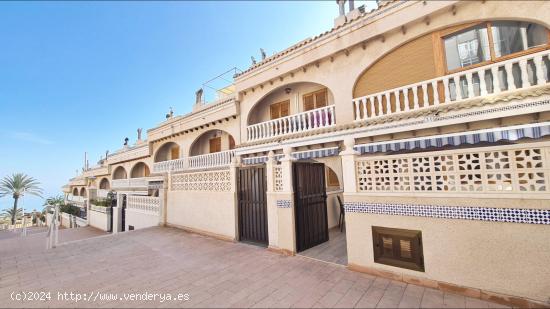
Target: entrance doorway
x,y
123,213
252,207
310,205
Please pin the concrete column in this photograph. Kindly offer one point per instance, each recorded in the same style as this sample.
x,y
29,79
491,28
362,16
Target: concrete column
x,y
348,166
234,169
117,214
286,224
272,213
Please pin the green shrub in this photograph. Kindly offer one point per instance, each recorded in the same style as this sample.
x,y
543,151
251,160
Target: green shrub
x,y
70,209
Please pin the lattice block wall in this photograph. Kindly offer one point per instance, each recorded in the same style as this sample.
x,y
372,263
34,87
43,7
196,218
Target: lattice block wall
x,y
502,169
216,181
144,203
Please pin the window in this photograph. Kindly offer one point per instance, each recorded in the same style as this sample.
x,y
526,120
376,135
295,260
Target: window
x,y
477,45
398,247
332,178
467,48
513,36
315,99
280,109
215,144
231,142
175,152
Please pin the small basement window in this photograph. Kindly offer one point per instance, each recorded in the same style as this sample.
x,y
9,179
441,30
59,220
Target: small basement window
x,y
398,247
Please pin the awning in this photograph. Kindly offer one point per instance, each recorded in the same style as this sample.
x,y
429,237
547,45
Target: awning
x,y
512,133
299,155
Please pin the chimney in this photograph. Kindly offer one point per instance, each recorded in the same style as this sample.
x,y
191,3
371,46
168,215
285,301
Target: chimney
x,y
341,19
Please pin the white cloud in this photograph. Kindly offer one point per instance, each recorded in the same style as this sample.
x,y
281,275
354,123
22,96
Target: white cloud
x,y
29,137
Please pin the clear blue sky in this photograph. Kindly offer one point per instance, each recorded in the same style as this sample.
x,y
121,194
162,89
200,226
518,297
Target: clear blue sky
x,y
81,76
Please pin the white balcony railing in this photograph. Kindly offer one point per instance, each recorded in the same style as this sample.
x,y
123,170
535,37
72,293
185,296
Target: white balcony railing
x,y
102,193
170,165
316,118
216,159
75,198
130,183
210,160
517,73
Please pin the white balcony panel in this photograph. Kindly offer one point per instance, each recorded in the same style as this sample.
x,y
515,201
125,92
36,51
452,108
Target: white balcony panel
x,y
314,119
170,165
211,160
131,183
517,73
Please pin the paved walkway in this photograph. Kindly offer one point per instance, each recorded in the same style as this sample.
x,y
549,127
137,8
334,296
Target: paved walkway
x,y
209,272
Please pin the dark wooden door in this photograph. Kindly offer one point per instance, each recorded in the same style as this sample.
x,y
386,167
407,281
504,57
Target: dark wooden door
x,y
123,213
310,201
252,205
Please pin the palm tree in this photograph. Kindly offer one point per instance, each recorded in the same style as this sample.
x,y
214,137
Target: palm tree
x,y
10,214
17,185
54,200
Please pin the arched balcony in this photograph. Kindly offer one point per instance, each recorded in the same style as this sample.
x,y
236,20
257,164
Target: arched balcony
x,y
168,151
213,148
451,65
289,109
104,187
120,173
75,192
140,170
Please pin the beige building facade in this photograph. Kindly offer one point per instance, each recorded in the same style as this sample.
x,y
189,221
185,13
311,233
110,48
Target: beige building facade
x,y
411,142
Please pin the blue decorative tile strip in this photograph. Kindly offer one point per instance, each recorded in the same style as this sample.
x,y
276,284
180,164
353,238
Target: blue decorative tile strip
x,y
283,203
514,215
473,137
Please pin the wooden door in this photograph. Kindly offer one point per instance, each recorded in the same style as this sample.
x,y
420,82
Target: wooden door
x,y
310,201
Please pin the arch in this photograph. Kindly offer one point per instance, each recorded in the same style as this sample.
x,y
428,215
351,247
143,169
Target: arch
x,y
104,184
168,151
293,95
139,170
403,59
120,173
82,191
75,191
212,141
331,178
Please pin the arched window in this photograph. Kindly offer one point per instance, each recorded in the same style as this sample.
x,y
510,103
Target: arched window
x,y
139,170
82,191
332,182
491,41
104,184
120,173
168,151
75,192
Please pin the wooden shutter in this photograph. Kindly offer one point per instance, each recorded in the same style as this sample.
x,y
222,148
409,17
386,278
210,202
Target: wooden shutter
x,y
274,110
321,98
231,142
175,152
309,102
285,108
280,109
398,247
215,144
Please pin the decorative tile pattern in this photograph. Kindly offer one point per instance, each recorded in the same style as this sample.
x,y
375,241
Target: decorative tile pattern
x,y
514,215
217,181
283,204
278,173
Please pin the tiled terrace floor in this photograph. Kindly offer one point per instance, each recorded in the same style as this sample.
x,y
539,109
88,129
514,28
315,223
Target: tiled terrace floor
x,y
214,274
334,250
